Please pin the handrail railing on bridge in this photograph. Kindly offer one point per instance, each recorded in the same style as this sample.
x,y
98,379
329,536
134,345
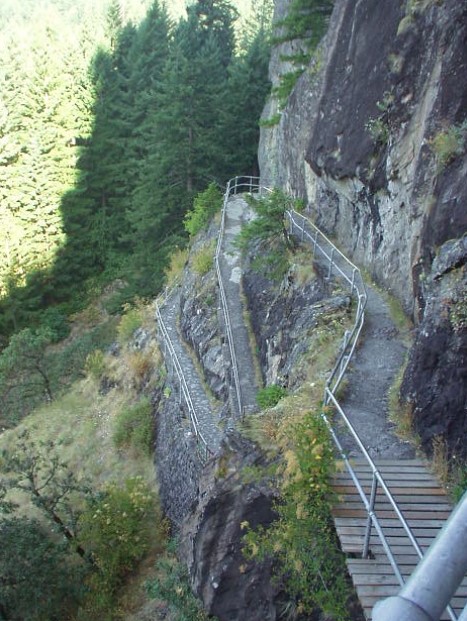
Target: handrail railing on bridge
x,y
340,265
203,449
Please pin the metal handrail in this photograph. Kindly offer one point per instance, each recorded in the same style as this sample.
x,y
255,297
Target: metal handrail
x,y
203,448
332,254
233,186
349,343
223,298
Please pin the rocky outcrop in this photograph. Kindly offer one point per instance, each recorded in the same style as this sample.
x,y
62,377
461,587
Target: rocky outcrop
x,y
284,316
230,587
199,320
435,383
373,137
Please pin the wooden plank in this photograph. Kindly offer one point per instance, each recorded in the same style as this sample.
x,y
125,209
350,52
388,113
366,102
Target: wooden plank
x,y
355,462
390,532
389,523
401,539
419,475
408,514
403,502
365,580
402,488
363,566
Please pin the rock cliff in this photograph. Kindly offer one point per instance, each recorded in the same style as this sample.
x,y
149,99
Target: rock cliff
x,y
373,137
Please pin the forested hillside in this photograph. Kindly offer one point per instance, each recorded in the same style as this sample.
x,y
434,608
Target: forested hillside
x,y
109,126
115,117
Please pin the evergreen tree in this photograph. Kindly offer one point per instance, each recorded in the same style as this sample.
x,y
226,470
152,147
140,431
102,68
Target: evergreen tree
x,y
248,86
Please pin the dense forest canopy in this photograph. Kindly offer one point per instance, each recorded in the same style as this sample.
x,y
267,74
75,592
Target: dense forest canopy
x,y
112,118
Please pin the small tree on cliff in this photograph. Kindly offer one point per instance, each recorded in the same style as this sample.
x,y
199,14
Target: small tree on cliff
x,y
269,230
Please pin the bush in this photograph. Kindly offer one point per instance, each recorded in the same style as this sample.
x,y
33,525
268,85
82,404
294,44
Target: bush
x,y
449,144
95,364
270,396
178,259
56,322
205,206
173,587
134,426
302,541
131,320
116,528
37,580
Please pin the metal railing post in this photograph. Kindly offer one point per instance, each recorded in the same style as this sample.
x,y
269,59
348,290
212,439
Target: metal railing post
x,y
352,284
366,542
331,263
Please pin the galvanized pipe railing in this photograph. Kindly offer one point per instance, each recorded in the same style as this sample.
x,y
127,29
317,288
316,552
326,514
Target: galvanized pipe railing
x,y
203,449
231,189
234,185
334,256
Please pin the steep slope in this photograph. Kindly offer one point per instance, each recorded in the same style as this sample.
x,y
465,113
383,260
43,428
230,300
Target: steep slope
x,y
373,137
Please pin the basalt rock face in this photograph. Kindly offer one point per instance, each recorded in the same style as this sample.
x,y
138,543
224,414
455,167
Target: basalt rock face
x,y
230,587
284,315
435,383
364,139
199,322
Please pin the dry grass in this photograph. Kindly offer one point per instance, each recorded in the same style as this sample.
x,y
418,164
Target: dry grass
x,y
174,271
271,428
401,413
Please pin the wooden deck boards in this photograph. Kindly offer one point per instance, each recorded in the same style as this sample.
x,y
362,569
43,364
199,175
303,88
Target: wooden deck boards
x,y
424,505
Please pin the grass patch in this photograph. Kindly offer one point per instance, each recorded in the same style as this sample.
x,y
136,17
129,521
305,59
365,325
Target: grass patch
x,y
131,320
270,396
174,271
401,413
448,144
171,585
203,260
134,427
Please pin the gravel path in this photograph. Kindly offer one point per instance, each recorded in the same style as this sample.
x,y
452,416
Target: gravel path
x,y
374,367
376,361
230,267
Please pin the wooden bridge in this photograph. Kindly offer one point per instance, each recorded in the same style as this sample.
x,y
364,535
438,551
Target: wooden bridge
x,y
425,507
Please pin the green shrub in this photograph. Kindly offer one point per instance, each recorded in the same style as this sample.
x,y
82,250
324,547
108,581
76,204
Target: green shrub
x,y
269,397
177,262
173,587
94,365
56,322
116,528
302,541
205,206
271,121
134,426
379,130
448,144
37,580
131,320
